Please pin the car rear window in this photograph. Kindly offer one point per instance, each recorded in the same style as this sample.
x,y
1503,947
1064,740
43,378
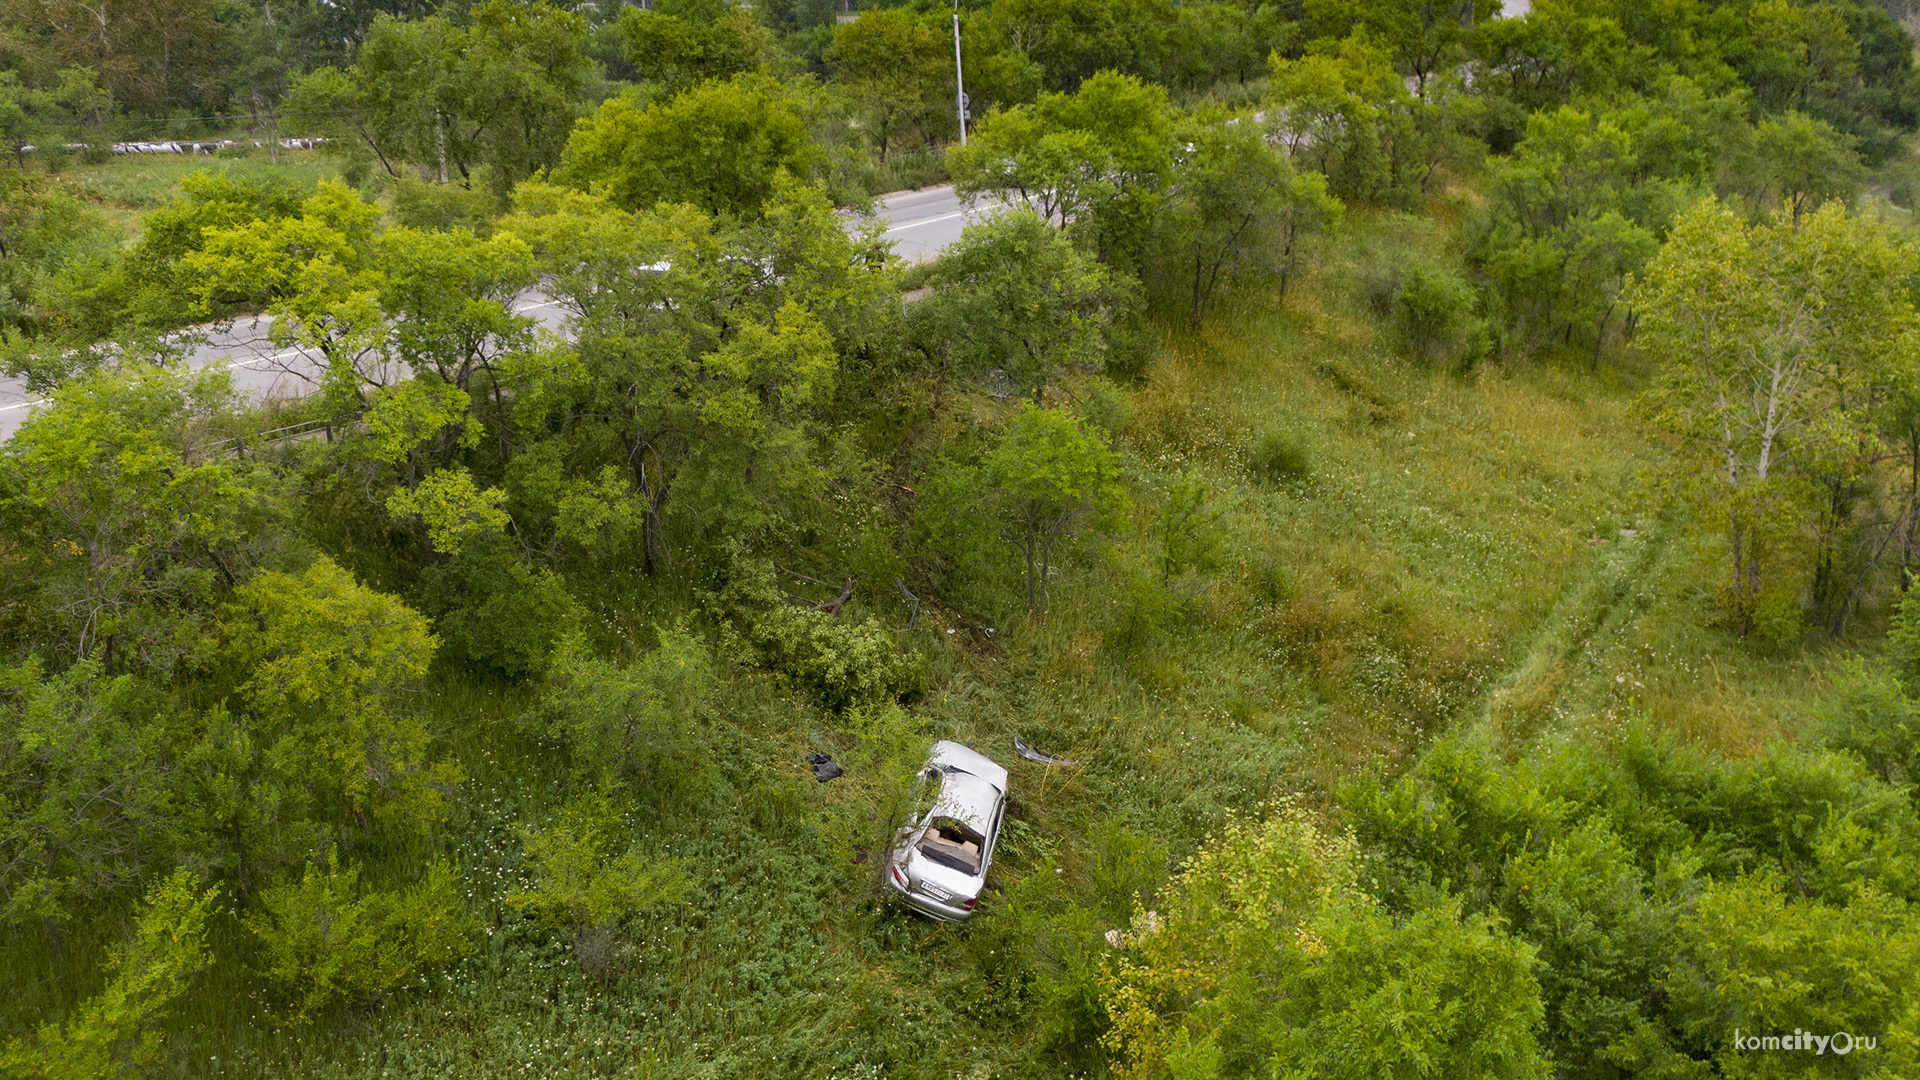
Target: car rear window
x,y
953,844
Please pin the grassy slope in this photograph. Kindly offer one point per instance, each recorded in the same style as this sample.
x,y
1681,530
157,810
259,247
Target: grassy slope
x,y
1480,549
125,188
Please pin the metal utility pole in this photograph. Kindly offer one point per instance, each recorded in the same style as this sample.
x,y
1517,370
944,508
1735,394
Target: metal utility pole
x,y
959,80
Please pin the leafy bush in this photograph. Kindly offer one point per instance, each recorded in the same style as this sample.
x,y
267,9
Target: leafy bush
x,y
495,611
113,1033
422,205
840,660
1278,459
589,875
1267,956
326,940
637,724
1433,317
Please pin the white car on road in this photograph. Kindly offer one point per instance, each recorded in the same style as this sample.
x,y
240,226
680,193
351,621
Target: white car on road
x,y
938,863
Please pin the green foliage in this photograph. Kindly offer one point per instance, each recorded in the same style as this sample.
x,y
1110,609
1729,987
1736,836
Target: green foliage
x,y
1266,954
327,664
895,65
1015,295
717,146
1434,317
1188,528
327,940
1279,459
113,1033
589,874
1092,162
679,43
1046,478
498,610
1755,953
1342,111
128,534
638,724
1644,864
422,204
841,661
1236,200
1769,458
83,783
44,234
681,407
499,92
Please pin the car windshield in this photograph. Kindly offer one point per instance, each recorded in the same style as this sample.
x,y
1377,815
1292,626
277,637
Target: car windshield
x,y
952,843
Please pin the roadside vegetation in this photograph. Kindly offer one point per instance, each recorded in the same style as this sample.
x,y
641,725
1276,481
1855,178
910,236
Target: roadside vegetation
x,y
1446,484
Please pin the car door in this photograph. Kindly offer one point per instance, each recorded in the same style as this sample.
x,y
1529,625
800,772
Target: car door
x,y
993,834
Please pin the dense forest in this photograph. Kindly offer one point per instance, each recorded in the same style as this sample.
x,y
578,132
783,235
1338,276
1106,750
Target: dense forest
x,y
1443,483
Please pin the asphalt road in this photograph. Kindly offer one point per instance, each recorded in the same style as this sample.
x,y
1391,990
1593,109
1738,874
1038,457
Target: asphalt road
x,y
920,224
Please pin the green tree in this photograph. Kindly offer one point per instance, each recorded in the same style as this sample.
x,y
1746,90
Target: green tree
x,y
326,664
1775,340
1573,217
1071,41
114,1033
150,58
46,236
630,724
1434,315
327,939
502,91
1756,954
590,875
1016,295
84,786
1267,957
72,110
1344,112
1092,162
1236,200
717,146
896,66
128,534
1425,36
1050,476
1805,162
700,349
680,43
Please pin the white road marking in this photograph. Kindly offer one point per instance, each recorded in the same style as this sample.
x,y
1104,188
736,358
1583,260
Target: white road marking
x,y
927,221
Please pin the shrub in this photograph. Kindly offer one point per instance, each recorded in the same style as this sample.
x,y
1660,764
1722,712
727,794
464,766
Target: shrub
x,y
113,1033
1267,953
328,941
587,879
840,660
1434,319
494,611
635,724
1278,459
422,205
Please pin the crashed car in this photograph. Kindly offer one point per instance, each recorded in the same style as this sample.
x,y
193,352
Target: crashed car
x,y
938,863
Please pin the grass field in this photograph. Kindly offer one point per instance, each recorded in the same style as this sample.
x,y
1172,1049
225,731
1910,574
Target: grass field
x,y
125,188
1400,550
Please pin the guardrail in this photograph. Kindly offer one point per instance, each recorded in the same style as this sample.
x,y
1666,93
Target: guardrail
x,y
188,146
238,445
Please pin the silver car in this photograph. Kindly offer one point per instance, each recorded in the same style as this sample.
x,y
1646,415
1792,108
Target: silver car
x,y
939,860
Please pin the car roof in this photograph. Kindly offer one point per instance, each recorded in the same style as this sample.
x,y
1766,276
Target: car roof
x,y
952,755
966,798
